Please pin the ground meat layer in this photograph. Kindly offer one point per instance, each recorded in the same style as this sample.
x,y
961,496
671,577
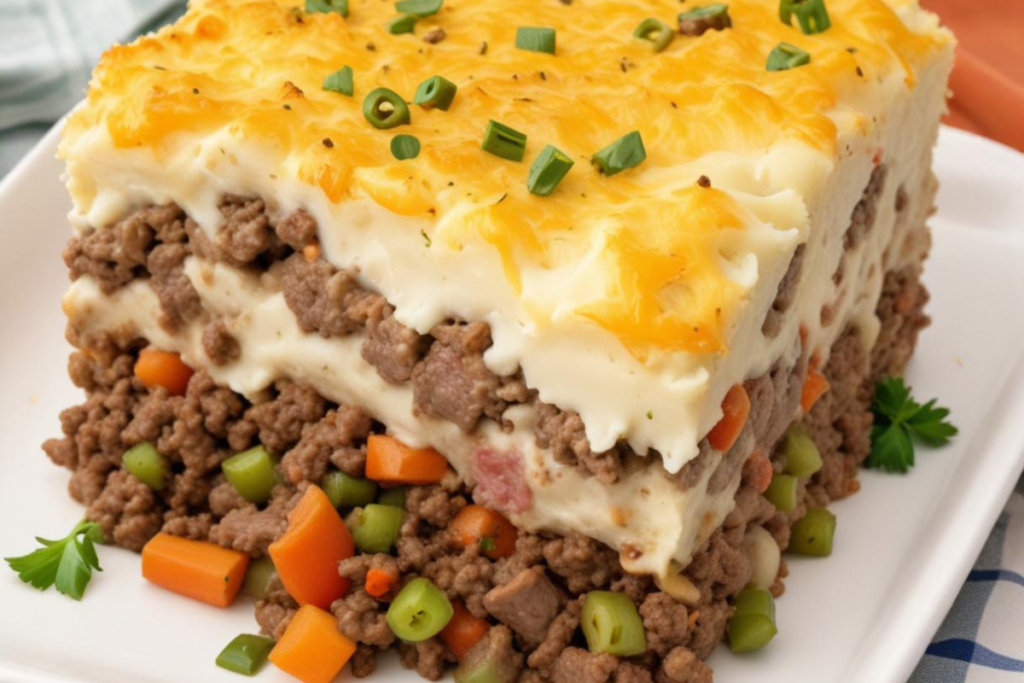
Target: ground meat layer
x,y
533,597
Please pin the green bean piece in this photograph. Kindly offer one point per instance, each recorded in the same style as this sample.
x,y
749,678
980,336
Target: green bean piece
x,y
403,24
251,472
502,141
385,109
246,654
626,152
394,497
752,625
375,528
419,611
802,456
419,8
812,534
657,33
611,624
345,491
435,92
547,171
781,492
146,464
257,578
811,14
536,39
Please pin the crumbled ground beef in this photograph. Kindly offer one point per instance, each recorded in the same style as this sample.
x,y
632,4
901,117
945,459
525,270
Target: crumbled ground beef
x,y
218,343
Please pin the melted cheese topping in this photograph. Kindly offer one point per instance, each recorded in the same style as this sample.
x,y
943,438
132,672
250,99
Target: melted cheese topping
x,y
256,68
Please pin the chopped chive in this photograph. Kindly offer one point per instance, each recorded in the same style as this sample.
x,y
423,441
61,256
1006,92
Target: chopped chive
x,y
340,81
811,14
536,39
504,142
385,108
403,24
436,91
786,56
324,6
658,34
626,152
547,171
405,147
419,8
245,654
699,20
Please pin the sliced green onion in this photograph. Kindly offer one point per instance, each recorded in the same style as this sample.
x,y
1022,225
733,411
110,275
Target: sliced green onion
x,y
811,14
394,497
611,624
340,81
375,528
339,6
547,171
504,142
781,492
657,33
146,464
786,56
536,39
626,152
385,109
436,91
257,578
419,611
246,654
348,492
705,17
405,147
752,625
812,534
419,8
252,473
403,24
802,456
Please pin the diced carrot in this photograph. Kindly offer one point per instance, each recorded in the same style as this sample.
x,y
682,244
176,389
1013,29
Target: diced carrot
x,y
735,409
390,460
463,631
814,387
476,524
307,555
157,368
199,570
759,469
312,648
380,581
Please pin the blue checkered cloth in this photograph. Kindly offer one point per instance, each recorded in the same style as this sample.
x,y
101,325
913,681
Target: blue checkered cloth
x,y
47,50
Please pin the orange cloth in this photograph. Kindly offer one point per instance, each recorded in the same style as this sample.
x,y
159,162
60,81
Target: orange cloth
x,y
988,79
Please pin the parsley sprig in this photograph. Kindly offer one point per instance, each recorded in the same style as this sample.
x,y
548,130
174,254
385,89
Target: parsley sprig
x,y
899,420
67,563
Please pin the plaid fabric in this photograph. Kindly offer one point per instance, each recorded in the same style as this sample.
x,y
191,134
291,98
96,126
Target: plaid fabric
x,y
48,48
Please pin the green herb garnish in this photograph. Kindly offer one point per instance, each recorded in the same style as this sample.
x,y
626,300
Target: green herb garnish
x,y
536,39
405,147
403,24
657,33
385,108
340,81
786,56
811,14
435,92
419,8
626,152
504,142
487,544
339,6
899,420
66,564
547,171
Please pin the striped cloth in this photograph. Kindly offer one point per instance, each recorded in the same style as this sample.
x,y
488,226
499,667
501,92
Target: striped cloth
x,y
47,49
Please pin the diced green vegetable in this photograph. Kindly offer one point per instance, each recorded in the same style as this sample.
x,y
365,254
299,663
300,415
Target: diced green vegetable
x,y
802,456
484,672
246,654
752,625
626,152
812,534
385,109
339,6
403,24
781,492
611,624
345,491
502,141
375,528
657,33
257,578
811,14
341,81
419,8
787,56
251,472
419,611
547,171
717,11
147,465
435,92
536,39
394,497
405,147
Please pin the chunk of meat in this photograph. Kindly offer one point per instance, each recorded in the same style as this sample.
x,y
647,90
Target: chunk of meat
x,y
391,347
527,604
496,649
501,481
579,666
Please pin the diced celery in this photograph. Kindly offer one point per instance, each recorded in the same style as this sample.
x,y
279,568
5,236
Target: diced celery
x,y
752,625
812,534
394,497
611,624
346,491
375,528
419,611
252,473
781,492
146,464
802,456
258,577
246,654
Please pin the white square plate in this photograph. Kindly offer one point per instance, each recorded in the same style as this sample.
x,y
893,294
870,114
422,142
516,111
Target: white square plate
x,y
903,546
